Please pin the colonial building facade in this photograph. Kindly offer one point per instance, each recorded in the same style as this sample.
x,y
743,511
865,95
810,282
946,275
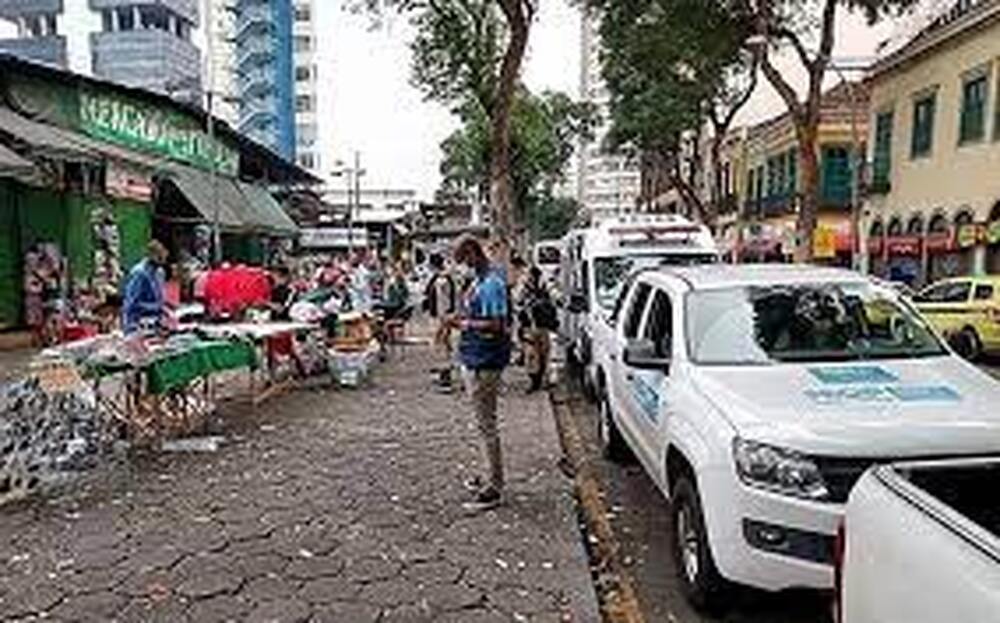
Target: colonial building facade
x,y
934,188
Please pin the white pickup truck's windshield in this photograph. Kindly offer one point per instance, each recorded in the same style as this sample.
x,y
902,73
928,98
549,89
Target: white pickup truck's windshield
x,y
611,273
804,323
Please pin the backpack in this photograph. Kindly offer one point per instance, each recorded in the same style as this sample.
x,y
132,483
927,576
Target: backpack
x,y
431,304
545,315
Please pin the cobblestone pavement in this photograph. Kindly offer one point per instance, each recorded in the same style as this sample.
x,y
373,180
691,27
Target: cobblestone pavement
x,y
322,506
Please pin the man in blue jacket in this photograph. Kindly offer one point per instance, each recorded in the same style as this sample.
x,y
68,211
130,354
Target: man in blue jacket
x,y
484,351
143,303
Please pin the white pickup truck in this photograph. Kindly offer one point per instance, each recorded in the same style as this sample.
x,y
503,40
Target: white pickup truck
x,y
921,544
756,396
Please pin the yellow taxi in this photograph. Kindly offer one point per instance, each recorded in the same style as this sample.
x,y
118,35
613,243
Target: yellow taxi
x,y
966,311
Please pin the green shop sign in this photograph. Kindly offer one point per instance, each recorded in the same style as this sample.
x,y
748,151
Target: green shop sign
x,y
132,124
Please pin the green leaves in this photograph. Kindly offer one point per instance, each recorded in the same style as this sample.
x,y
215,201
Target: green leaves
x,y
544,131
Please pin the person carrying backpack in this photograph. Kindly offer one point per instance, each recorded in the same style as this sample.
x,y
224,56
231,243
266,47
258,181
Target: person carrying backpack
x,y
538,317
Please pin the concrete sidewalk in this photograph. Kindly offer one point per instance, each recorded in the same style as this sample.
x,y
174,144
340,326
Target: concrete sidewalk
x,y
324,506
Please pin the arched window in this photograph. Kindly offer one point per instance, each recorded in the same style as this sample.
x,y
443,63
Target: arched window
x,y
877,230
964,218
938,224
995,212
895,227
916,226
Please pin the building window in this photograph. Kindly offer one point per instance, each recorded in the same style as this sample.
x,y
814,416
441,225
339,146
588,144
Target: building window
x,y
107,21
835,182
973,119
126,19
922,140
302,73
307,160
154,18
793,172
303,103
882,157
302,43
303,13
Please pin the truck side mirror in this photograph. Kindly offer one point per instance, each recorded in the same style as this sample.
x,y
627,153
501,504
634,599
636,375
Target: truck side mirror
x,y
642,355
578,303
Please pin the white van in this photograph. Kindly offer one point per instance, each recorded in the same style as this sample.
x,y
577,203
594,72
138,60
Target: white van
x,y
547,256
598,261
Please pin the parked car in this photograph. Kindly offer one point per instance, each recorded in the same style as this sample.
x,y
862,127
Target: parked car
x,y
756,396
921,544
966,311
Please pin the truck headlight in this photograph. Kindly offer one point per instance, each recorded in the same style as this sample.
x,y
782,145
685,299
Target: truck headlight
x,y
778,469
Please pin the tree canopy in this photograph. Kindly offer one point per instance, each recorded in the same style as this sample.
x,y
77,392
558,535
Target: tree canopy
x,y
671,67
544,131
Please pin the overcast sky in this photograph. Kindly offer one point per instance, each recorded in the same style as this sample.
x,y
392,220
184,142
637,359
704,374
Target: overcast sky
x,y
368,104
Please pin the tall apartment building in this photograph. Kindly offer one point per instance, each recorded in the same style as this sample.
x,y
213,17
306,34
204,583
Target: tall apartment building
x,y
265,73
220,49
138,43
608,184
307,142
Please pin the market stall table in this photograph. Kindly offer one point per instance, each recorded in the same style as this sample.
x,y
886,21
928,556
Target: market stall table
x,y
271,340
171,391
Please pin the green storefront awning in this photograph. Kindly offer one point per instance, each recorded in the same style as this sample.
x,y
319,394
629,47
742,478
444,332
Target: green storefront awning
x,y
266,212
239,207
213,199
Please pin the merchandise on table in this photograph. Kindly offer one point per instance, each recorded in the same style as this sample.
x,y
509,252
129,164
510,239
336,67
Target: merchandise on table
x,y
45,434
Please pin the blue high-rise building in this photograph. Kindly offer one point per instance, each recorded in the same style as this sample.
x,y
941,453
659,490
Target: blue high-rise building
x,y
265,73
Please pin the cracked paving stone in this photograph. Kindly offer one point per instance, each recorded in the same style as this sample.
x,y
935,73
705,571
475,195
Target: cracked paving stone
x,y
285,611
147,611
32,600
407,614
329,590
257,565
311,568
269,588
391,593
372,569
477,615
448,597
209,583
93,607
218,609
346,612
435,572
149,584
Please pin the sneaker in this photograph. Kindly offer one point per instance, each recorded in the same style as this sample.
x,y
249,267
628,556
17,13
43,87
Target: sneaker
x,y
486,499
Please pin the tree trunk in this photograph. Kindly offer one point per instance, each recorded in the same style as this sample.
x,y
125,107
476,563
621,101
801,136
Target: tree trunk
x,y
809,196
501,191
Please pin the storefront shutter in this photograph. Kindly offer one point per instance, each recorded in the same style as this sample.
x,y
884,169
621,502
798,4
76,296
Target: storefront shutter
x,y
134,229
10,262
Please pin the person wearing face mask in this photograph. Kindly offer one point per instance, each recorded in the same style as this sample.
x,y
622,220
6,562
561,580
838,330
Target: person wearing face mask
x,y
144,304
484,352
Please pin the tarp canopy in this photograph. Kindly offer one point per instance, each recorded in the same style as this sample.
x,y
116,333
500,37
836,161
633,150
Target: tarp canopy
x,y
12,165
239,207
53,142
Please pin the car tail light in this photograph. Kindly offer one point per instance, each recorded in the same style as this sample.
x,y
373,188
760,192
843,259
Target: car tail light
x,y
839,551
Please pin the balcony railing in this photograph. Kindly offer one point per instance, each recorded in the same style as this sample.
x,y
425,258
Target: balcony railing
x,y
48,50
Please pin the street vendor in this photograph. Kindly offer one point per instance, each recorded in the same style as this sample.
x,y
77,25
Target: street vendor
x,y
144,303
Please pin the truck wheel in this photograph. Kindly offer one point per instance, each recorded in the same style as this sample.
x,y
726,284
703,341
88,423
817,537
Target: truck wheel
x,y
700,579
613,445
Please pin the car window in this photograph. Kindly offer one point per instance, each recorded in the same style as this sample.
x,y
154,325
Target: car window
x,y
637,306
804,323
659,324
616,314
950,292
984,292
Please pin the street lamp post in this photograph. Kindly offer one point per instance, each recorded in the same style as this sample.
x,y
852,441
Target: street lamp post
x,y
353,178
